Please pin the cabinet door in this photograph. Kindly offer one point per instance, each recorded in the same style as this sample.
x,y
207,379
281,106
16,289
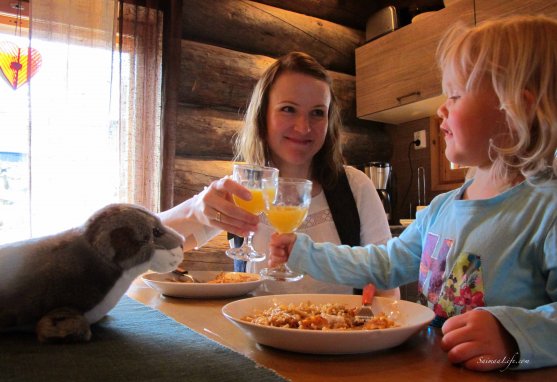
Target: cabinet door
x,y
486,9
400,69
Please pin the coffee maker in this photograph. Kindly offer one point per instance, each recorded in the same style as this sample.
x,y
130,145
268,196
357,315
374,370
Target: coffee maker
x,y
380,173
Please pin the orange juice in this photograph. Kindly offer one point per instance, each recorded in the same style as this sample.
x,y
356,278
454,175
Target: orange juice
x,y
286,219
256,205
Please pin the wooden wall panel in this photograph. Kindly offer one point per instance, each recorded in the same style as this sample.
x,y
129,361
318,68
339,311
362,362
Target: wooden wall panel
x,y
210,257
352,13
253,27
216,76
204,132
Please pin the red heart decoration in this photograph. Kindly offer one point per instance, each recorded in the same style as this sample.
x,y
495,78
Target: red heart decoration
x,y
15,64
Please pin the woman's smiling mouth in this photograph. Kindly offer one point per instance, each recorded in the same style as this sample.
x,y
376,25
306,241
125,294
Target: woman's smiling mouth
x,y
299,141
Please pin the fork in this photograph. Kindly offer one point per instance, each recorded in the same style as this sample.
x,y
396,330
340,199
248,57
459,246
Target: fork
x,y
365,313
183,275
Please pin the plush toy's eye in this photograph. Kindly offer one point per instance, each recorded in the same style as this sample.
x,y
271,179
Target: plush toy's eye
x,y
157,232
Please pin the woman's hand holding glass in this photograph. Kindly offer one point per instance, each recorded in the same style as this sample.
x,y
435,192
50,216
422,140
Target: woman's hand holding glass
x,y
214,206
286,210
260,181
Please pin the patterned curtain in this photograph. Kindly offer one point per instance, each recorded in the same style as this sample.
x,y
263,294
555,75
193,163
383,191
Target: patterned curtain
x,y
140,52
86,130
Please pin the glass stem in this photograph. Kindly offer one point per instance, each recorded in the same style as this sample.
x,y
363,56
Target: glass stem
x,y
248,241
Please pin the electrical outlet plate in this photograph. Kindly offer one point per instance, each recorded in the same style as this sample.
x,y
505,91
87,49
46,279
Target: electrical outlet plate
x,y
422,137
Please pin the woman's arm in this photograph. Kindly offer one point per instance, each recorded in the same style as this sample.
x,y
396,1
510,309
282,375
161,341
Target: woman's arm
x,y
203,216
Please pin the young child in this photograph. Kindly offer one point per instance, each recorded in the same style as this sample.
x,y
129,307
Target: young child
x,y
484,255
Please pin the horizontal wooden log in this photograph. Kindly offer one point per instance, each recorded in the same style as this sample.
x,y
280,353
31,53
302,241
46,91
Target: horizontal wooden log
x,y
253,27
210,257
351,13
220,77
192,175
362,144
202,132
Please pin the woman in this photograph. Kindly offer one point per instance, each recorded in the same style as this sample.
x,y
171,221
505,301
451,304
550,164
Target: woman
x,y
292,123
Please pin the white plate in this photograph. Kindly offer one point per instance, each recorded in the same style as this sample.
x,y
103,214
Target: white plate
x,y
413,317
160,282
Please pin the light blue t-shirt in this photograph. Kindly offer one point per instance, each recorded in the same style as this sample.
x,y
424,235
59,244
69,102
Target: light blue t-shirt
x,y
497,254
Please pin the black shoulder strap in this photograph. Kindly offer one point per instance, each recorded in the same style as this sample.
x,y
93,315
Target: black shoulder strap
x,y
344,211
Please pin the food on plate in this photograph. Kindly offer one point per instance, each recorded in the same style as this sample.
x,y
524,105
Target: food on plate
x,y
233,277
330,316
221,278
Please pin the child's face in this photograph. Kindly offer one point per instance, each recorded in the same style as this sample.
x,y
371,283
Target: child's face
x,y
470,120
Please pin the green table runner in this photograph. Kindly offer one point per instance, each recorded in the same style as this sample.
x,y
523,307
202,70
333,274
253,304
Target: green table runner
x,y
133,343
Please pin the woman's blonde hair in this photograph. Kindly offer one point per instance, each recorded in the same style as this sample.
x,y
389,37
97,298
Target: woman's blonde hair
x,y
251,142
518,56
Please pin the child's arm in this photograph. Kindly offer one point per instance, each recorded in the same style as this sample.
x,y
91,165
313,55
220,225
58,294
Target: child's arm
x,y
386,266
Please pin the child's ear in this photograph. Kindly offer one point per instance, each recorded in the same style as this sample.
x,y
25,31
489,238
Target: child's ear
x,y
529,99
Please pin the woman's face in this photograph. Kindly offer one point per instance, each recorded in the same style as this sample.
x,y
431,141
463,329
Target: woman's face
x,y
297,119
470,120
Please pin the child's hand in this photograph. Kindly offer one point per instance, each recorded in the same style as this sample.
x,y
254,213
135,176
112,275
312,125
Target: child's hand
x,y
479,341
280,248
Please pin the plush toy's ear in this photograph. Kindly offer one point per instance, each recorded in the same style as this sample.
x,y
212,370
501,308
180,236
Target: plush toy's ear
x,y
120,231
126,243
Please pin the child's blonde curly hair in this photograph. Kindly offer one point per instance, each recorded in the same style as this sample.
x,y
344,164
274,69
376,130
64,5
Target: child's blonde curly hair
x,y
518,55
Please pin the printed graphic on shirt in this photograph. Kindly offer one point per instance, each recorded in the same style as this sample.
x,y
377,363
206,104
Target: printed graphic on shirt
x,y
463,289
458,292
432,268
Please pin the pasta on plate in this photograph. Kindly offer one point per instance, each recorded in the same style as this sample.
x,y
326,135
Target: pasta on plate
x,y
328,316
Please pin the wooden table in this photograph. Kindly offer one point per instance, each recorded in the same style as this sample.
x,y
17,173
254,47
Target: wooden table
x,y
418,359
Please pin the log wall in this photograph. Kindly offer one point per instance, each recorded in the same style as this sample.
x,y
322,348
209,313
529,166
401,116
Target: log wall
x,y
225,47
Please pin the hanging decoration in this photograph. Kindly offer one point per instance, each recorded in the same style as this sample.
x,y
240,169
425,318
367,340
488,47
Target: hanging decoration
x,y
18,64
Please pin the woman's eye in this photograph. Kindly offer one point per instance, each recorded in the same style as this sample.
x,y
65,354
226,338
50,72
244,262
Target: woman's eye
x,y
288,109
454,98
318,113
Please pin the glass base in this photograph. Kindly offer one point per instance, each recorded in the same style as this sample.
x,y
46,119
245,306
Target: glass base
x,y
280,273
245,253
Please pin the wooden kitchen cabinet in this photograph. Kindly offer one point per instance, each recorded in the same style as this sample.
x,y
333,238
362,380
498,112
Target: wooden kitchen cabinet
x,y
397,78
486,9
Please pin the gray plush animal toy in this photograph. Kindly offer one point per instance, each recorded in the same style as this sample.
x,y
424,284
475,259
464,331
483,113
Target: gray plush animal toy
x,y
61,284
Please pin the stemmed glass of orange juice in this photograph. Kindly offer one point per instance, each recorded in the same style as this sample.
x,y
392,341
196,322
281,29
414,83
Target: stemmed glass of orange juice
x,y
259,180
286,210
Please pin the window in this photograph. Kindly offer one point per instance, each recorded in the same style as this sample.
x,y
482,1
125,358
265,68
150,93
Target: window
x,y
67,147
